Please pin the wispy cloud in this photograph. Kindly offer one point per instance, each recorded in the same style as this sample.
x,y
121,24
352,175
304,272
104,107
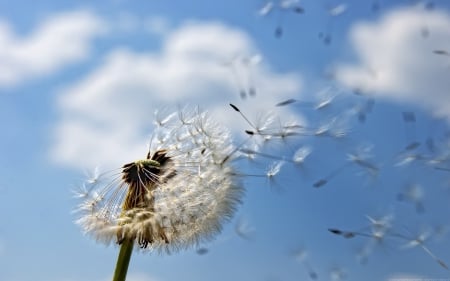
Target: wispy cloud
x,y
107,116
57,41
397,59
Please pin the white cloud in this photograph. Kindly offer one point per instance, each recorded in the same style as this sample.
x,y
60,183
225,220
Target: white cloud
x,y
107,116
395,58
61,39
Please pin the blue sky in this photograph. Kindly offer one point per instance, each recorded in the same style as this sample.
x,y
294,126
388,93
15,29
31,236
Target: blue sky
x,y
80,81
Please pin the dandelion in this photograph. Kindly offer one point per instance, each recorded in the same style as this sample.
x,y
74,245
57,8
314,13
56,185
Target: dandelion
x,y
175,198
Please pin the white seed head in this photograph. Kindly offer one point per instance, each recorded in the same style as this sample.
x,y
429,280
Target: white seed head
x,y
177,197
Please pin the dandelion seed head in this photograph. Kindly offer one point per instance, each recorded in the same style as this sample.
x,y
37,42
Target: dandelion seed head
x,y
178,196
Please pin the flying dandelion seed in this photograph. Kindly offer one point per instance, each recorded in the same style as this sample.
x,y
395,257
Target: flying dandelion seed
x,y
376,231
301,154
413,193
243,75
412,145
338,10
176,197
301,256
408,158
361,158
202,251
281,6
441,52
286,102
243,229
419,241
266,127
333,12
337,274
363,110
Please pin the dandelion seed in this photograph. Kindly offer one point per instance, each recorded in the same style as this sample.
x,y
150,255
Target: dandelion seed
x,y
177,197
301,154
286,102
337,274
93,177
413,145
376,231
345,234
274,169
266,9
361,158
363,110
331,175
408,158
419,241
202,251
338,10
326,98
409,117
441,52
431,146
301,256
414,194
282,6
242,74
334,128
320,183
265,126
243,229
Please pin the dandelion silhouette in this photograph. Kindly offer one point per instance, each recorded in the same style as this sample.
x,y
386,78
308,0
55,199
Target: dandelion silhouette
x,y
175,198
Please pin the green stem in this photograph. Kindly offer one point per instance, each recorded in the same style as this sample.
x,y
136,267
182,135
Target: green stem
x,y
123,260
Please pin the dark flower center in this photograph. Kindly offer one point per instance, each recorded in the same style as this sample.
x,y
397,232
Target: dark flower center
x,y
142,177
